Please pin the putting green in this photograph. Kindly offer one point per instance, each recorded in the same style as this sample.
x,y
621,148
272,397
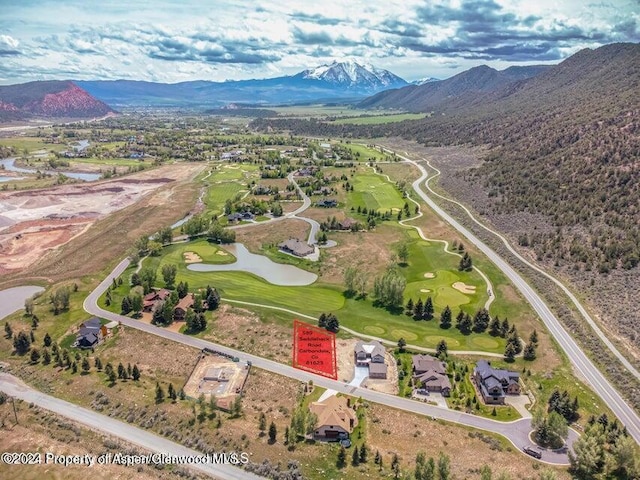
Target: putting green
x,y
373,330
484,343
435,339
398,333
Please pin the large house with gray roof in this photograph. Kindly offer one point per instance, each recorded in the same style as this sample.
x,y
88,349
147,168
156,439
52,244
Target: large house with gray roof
x,y
371,355
430,374
495,384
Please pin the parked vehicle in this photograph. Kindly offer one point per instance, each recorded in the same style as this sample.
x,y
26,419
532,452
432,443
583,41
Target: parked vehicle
x,y
534,452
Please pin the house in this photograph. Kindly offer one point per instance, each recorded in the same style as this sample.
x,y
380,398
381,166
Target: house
x,y
495,384
238,216
335,418
180,310
151,299
347,224
430,374
371,355
90,333
328,203
296,247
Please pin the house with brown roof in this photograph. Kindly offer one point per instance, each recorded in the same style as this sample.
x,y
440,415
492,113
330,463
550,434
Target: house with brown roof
x,y
154,297
335,417
495,384
180,310
371,355
347,224
296,247
430,374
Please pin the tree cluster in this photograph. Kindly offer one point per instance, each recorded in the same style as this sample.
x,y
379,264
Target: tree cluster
x,y
562,404
329,321
388,289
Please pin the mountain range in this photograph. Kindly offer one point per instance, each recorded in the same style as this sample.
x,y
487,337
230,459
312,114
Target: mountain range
x,y
335,81
460,89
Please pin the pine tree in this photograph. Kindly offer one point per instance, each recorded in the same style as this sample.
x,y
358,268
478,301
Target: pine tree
x,y
395,466
35,355
530,352
8,330
120,371
418,310
481,320
504,328
378,458
262,424
135,373
98,363
355,458
85,365
159,393
46,340
342,457
172,393
427,313
494,327
21,343
459,319
445,318
533,338
409,308
273,432
509,352
363,453
74,367
46,356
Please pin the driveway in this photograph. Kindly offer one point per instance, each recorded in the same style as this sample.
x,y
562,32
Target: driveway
x,y
360,374
519,402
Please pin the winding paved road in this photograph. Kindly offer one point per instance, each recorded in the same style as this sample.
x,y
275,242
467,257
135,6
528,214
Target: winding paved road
x,y
517,432
149,441
581,362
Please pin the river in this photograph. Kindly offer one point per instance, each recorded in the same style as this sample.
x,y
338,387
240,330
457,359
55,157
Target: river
x,y
9,165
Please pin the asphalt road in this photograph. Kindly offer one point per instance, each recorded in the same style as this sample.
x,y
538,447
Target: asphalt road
x,y
517,431
581,362
137,436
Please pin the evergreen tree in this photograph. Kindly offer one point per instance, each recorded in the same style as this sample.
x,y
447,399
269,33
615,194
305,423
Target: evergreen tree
x,y
378,458
21,343
322,320
530,352
159,393
444,467
509,352
35,355
445,318
418,310
466,324
46,340
120,371
342,457
402,343
85,365
504,328
408,311
46,356
213,299
332,323
273,432
494,327
126,305
262,423
427,313
355,458
172,393
74,367
395,466
363,453
441,349
459,319
533,338
98,363
8,330
481,320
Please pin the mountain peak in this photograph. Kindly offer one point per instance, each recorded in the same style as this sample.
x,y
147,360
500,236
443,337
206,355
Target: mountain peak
x,y
351,74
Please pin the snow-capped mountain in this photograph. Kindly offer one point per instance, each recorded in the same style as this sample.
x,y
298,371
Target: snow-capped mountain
x,y
424,80
353,75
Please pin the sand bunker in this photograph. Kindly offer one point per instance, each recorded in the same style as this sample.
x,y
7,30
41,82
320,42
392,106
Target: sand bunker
x,y
191,257
429,275
425,290
222,253
464,288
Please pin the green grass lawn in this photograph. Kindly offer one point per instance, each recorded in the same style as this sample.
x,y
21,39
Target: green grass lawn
x,y
234,171
374,192
31,144
365,152
118,162
208,252
380,119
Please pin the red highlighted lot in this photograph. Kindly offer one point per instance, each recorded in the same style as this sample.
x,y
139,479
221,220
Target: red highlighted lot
x,y
314,350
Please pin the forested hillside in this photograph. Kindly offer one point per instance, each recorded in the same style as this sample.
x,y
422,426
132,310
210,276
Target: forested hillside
x,y
564,144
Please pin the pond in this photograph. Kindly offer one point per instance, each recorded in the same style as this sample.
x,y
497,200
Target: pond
x,y
9,165
272,272
12,299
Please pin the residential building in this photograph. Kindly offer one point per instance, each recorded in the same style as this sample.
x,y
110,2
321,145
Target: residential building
x,y
430,374
180,310
296,247
335,418
371,355
495,384
151,299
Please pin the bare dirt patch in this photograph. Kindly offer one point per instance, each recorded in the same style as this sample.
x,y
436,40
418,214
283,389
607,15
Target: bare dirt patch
x,y
218,376
244,330
45,219
464,288
193,257
344,354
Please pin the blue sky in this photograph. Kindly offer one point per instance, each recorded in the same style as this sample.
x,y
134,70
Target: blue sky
x,y
170,41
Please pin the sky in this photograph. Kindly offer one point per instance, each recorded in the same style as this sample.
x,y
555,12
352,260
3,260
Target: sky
x,y
173,41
